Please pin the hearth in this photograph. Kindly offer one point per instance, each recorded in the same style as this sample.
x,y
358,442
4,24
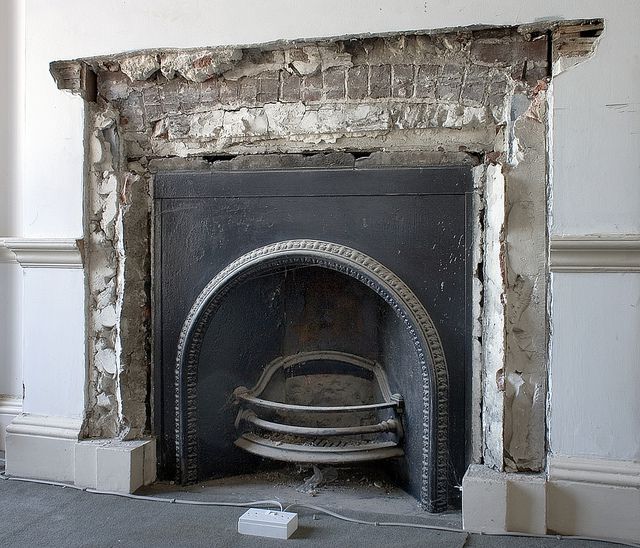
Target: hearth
x,y
314,316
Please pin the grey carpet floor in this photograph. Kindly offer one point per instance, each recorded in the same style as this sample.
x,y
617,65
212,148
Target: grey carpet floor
x,y
41,515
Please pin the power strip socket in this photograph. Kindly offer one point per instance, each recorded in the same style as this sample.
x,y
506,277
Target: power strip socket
x,y
268,523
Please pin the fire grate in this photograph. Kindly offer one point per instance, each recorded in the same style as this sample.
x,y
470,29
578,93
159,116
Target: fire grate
x,y
289,416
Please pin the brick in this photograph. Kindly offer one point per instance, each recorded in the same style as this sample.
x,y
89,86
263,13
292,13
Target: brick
x,y
507,52
380,81
169,95
402,81
153,113
311,88
210,91
268,86
334,83
357,82
426,81
151,96
473,93
228,91
131,115
452,72
289,87
189,96
248,89
448,90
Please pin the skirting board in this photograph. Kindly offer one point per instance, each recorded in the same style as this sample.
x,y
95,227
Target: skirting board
x,y
42,447
594,497
47,448
590,497
603,472
10,408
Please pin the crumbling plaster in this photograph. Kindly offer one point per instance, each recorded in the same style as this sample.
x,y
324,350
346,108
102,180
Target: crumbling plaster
x,y
407,98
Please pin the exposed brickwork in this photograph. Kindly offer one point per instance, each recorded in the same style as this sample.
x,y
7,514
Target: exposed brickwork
x,y
332,88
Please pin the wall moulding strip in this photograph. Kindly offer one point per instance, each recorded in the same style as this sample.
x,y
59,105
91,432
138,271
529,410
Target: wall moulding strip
x,y
46,252
597,253
605,472
6,255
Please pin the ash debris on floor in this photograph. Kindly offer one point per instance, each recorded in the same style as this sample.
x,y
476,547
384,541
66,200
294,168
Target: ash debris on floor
x,y
363,489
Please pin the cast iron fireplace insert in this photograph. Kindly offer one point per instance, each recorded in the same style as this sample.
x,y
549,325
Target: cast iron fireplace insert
x,y
313,315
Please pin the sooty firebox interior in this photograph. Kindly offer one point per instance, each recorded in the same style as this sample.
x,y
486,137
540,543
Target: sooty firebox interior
x,y
313,316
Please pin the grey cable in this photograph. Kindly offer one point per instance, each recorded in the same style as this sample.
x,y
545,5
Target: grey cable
x,y
313,507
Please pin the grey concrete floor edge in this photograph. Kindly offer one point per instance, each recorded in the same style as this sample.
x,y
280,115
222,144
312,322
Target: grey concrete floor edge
x,y
43,515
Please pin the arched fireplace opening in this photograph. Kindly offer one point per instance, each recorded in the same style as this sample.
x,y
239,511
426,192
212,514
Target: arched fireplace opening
x,y
309,351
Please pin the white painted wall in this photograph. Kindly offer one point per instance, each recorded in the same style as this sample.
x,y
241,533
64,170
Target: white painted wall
x,y
11,124
54,373
596,162
596,365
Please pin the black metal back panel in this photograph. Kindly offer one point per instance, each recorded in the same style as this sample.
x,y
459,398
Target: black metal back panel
x,y
412,220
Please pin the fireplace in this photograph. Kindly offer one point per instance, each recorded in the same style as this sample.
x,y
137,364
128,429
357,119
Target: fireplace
x,y
268,153
292,321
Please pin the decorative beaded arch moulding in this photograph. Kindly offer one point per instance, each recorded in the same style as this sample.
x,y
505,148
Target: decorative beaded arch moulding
x,y
340,258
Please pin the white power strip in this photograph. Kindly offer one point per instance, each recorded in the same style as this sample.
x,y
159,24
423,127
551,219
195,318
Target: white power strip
x,y
268,523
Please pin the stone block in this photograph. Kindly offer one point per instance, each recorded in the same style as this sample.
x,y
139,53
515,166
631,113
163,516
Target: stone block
x,y
121,465
484,500
357,82
380,81
86,463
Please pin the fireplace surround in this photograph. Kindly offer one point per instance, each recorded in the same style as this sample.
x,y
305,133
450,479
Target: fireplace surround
x,y
474,97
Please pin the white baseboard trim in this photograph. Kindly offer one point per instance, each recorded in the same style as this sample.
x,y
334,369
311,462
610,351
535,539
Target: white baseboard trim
x,y
604,472
595,253
42,447
45,252
46,427
594,497
10,408
588,497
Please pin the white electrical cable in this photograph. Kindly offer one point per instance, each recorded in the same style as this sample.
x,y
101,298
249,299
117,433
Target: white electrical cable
x,y
317,509
249,504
